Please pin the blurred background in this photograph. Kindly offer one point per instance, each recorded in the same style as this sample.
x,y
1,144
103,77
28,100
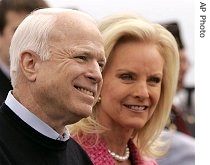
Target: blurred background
x,y
180,11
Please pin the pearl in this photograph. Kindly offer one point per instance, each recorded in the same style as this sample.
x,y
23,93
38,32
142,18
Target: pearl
x,y
118,157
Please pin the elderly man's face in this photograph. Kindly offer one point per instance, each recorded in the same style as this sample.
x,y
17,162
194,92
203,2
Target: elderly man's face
x,y
71,80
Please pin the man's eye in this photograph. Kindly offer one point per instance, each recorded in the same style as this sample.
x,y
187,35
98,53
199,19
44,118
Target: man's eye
x,y
101,66
82,57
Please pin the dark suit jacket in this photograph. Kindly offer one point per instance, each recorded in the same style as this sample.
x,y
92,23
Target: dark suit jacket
x,y
5,86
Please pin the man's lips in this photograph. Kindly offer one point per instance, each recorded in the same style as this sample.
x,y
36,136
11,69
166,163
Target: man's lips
x,y
85,91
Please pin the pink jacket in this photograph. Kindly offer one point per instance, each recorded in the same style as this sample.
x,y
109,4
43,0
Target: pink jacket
x,y
100,156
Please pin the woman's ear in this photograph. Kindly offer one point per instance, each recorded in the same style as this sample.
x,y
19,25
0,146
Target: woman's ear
x,y
28,63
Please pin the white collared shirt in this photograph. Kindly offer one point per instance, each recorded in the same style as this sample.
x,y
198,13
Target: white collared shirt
x,y
33,120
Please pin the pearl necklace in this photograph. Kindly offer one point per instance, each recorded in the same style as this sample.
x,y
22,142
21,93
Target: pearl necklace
x,y
120,158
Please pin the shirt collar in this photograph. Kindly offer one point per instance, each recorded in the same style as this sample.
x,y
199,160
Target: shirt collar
x,y
33,120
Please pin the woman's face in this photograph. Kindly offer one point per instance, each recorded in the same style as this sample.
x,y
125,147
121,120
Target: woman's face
x,y
132,85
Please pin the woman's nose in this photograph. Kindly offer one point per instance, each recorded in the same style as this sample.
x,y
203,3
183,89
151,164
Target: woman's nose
x,y
141,90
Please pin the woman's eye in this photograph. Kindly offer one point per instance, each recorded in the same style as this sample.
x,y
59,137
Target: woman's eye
x,y
155,80
126,77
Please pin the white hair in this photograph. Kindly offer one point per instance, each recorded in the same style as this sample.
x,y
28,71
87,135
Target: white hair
x,y
33,34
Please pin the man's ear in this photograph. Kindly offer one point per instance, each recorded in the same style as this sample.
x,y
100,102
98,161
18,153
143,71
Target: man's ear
x,y
28,64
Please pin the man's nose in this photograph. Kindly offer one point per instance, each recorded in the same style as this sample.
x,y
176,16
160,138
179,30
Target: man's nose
x,y
94,72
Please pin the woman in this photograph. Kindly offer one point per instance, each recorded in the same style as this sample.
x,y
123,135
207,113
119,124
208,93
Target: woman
x,y
139,82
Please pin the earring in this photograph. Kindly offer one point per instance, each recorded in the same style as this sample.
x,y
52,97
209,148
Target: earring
x,y
99,99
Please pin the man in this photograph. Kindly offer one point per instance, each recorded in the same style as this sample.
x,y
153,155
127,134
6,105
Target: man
x,y
56,60
181,150
12,12
182,143
183,110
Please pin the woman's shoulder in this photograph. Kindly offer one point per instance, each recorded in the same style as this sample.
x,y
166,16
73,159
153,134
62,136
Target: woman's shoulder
x,y
96,149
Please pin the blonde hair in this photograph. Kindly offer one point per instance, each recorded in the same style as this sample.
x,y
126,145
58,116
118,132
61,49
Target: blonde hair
x,y
125,27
